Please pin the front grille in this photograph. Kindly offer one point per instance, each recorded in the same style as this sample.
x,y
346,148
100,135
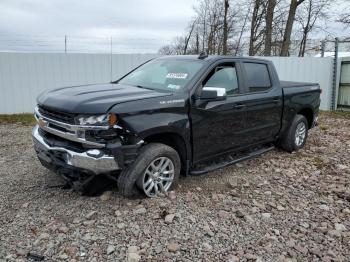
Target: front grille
x,y
56,115
56,141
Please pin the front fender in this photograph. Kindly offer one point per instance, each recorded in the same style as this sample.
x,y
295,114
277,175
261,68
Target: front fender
x,y
144,125
161,124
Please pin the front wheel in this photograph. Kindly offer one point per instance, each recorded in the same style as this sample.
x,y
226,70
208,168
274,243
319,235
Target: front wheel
x,y
155,170
296,136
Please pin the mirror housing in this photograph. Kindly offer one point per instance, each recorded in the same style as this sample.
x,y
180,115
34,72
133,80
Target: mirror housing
x,y
213,93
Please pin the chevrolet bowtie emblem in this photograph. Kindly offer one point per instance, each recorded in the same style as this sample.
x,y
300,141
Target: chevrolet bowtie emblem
x,y
42,122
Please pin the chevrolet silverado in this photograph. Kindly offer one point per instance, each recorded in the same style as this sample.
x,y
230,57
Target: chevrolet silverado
x,y
171,115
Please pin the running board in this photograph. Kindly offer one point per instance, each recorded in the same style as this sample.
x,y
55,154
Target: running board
x,y
233,161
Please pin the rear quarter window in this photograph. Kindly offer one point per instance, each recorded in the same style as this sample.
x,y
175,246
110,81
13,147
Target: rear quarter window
x,y
258,78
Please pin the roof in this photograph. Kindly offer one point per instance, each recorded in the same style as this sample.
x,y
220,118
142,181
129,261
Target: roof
x,y
210,58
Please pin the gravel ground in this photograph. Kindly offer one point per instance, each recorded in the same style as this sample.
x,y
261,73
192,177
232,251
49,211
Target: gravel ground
x,y
279,207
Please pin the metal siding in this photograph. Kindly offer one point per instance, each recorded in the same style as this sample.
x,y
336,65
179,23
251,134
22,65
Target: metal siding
x,y
23,76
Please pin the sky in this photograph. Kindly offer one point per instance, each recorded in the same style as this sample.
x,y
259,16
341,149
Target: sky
x,y
141,26
129,26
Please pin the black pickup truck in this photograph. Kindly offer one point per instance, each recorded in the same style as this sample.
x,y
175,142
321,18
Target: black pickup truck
x,y
171,115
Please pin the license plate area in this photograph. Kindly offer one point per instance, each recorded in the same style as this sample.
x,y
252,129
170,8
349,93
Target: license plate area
x,y
49,156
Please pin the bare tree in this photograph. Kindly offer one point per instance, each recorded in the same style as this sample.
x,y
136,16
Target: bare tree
x,y
166,50
257,33
344,19
187,39
289,26
216,25
253,26
269,21
259,27
243,27
307,16
208,15
208,25
197,43
225,29
176,48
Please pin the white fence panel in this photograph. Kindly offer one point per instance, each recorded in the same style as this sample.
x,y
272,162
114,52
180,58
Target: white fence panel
x,y
308,69
23,75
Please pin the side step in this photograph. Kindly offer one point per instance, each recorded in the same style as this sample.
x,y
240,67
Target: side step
x,y
197,172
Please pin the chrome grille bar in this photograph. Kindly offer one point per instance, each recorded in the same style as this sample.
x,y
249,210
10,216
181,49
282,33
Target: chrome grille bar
x,y
74,133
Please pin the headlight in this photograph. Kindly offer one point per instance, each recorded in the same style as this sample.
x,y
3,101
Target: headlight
x,y
98,120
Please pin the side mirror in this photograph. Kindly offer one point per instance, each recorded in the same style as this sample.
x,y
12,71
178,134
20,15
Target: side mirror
x,y
213,93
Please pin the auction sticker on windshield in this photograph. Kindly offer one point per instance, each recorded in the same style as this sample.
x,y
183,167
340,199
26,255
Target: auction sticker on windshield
x,y
177,75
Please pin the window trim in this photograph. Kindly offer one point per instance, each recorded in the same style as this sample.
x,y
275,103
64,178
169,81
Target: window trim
x,y
240,79
246,91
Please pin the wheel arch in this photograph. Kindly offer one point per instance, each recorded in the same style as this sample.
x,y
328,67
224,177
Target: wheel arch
x,y
173,140
308,113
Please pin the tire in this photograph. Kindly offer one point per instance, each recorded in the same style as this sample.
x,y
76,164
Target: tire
x,y
289,142
130,180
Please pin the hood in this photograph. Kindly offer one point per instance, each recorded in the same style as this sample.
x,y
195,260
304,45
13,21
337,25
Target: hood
x,y
93,99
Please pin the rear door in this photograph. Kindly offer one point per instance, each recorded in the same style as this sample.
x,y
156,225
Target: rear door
x,y
262,100
218,126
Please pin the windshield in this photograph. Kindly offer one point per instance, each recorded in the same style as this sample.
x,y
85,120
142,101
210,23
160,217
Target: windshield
x,y
168,75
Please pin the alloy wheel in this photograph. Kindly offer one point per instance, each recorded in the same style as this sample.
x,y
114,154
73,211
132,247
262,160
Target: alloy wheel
x,y
300,134
158,176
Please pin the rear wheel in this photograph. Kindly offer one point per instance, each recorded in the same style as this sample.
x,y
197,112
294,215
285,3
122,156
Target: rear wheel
x,y
296,136
156,170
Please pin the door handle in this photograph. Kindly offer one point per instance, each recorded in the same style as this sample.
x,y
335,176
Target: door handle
x,y
276,100
238,106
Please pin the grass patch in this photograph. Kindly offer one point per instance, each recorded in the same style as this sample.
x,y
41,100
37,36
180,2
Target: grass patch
x,y
337,113
25,119
320,162
323,127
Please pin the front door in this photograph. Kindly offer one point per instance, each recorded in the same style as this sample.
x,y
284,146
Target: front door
x,y
218,126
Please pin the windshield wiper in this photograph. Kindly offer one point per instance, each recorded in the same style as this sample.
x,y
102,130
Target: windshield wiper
x,y
144,87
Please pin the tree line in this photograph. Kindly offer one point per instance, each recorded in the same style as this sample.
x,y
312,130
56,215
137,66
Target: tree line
x,y
256,27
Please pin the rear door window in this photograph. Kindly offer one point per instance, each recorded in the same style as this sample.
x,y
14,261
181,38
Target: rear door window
x,y
258,78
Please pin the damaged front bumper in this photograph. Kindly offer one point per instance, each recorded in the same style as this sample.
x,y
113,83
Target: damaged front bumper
x,y
91,160
72,151
61,145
